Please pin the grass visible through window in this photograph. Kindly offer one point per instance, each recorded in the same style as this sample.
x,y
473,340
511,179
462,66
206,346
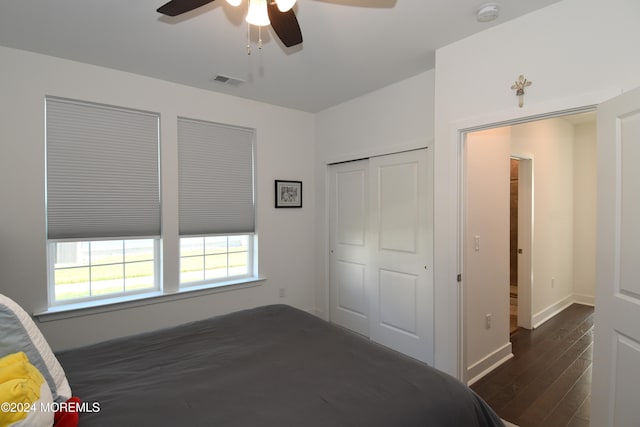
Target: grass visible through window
x,y
213,258
95,268
85,269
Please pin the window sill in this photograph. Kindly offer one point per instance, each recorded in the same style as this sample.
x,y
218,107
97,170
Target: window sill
x,y
122,303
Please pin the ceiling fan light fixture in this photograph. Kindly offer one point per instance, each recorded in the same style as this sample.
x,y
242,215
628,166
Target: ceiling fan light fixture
x,y
285,5
258,14
234,3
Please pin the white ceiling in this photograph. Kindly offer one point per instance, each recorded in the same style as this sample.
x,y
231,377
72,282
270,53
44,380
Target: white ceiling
x,y
350,47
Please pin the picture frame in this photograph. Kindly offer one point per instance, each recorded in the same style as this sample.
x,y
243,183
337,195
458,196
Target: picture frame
x,y
288,194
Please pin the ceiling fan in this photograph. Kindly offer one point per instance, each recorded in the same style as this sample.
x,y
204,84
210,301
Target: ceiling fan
x,y
279,14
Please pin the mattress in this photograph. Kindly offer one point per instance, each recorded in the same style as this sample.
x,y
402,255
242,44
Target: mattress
x,y
269,366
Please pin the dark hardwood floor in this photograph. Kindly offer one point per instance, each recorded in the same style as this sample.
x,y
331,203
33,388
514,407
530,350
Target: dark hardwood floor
x,y
548,381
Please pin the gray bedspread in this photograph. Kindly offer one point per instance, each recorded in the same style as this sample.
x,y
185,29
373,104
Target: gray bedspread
x,y
269,366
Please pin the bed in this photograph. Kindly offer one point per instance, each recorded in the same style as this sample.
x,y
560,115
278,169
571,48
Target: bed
x,y
268,366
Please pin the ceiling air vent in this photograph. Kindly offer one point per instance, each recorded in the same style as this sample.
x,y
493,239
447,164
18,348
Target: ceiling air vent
x,y
226,80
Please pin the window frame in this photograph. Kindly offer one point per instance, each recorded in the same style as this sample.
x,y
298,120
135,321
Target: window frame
x,y
164,262
85,145
195,132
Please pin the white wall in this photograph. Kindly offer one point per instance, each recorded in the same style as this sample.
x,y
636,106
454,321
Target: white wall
x,y
393,119
576,52
486,266
285,150
584,221
550,143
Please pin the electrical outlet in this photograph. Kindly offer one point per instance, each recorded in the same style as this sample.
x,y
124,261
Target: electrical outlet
x,y
488,321
281,292
553,282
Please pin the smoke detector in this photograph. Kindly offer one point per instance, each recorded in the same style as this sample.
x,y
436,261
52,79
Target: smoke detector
x,y
488,12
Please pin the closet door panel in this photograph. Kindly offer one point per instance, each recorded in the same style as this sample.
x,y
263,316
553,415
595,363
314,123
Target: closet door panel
x,y
400,286
349,204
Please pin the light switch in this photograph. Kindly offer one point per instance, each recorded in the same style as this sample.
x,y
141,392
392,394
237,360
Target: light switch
x,y
477,243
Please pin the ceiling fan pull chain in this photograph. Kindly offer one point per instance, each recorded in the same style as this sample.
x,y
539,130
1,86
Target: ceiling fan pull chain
x,y
248,39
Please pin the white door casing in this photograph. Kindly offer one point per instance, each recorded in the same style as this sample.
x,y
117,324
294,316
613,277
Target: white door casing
x,y
616,360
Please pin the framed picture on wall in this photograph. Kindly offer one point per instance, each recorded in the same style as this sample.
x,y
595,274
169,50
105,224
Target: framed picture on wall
x,y
288,194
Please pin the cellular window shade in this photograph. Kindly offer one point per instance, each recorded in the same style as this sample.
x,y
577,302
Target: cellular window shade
x,y
102,171
215,172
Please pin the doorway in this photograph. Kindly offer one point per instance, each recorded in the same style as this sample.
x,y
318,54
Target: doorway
x,y
513,244
564,241
520,248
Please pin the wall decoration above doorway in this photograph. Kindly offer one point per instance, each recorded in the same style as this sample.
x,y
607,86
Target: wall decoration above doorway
x,y
519,86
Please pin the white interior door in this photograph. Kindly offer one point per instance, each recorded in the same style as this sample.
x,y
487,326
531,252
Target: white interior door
x,y
616,363
401,290
349,206
525,249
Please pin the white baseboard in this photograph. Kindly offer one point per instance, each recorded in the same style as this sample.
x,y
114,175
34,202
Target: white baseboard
x,y
546,314
584,299
488,363
542,316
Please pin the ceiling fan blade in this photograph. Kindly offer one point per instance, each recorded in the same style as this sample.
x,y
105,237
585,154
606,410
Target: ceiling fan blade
x,y
178,7
285,24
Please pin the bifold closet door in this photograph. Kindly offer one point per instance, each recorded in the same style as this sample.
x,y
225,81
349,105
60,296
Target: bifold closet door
x,y
381,248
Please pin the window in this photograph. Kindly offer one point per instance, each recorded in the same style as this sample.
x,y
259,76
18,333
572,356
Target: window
x,y
103,204
103,200
216,202
88,269
212,258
